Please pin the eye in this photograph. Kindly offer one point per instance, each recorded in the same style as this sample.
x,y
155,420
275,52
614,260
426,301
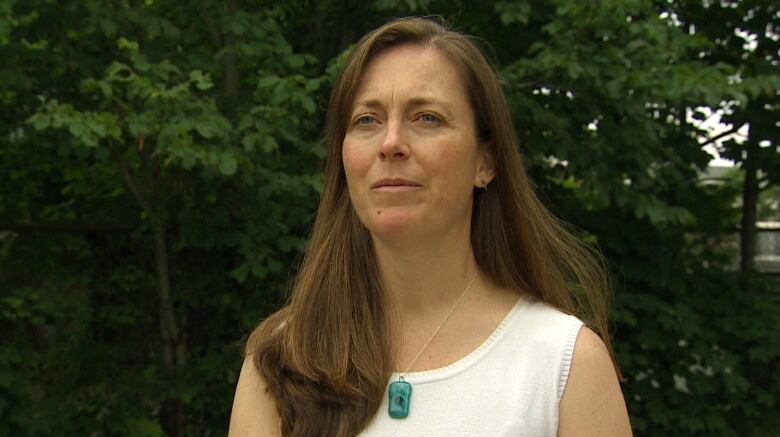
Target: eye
x,y
427,117
364,120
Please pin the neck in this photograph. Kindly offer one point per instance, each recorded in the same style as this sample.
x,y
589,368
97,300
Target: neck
x,y
427,276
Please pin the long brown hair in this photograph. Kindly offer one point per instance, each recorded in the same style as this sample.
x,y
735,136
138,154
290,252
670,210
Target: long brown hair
x,y
325,357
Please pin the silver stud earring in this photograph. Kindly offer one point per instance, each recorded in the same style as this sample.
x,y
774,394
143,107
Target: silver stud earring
x,y
483,184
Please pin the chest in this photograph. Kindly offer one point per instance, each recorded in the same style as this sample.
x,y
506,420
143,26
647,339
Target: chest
x,y
424,346
493,398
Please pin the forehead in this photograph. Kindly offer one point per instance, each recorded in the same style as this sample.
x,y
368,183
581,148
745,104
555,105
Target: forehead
x,y
411,72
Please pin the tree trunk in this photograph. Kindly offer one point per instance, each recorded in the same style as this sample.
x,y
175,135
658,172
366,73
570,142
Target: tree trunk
x,y
173,418
747,233
230,57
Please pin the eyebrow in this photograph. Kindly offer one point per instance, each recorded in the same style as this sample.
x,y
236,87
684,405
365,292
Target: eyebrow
x,y
413,102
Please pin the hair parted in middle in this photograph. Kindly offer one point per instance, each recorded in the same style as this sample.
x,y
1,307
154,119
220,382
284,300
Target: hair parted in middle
x,y
326,357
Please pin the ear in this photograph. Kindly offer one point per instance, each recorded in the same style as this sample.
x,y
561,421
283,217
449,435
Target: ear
x,y
486,166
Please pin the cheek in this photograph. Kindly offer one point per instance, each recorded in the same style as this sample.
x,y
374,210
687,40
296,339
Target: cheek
x,y
356,161
454,170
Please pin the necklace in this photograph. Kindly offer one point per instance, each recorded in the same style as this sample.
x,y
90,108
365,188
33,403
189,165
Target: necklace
x,y
400,392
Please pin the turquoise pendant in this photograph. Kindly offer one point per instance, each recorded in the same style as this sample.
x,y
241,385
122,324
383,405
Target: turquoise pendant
x,y
400,394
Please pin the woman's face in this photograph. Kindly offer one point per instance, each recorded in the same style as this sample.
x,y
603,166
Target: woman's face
x,y
410,151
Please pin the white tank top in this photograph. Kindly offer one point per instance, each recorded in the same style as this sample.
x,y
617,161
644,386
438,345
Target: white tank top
x,y
511,385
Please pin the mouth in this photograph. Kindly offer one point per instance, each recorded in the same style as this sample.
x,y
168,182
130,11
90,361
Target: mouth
x,y
394,184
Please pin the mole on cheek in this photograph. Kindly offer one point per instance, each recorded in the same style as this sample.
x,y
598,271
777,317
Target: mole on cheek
x,y
378,212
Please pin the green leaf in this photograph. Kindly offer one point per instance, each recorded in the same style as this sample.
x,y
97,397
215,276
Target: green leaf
x,y
228,165
40,121
202,81
124,43
296,61
270,144
267,81
143,427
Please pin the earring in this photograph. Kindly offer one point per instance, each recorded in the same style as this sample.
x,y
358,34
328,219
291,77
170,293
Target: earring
x,y
483,184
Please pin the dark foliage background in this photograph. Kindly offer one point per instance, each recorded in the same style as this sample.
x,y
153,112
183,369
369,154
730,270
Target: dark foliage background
x,y
160,165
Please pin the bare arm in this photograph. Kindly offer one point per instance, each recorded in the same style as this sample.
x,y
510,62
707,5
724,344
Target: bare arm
x,y
592,403
254,410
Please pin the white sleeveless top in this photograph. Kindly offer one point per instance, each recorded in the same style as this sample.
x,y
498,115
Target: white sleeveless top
x,y
511,385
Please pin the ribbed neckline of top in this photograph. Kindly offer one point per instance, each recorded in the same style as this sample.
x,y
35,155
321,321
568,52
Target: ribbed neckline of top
x,y
462,364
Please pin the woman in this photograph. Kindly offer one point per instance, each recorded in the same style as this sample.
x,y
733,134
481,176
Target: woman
x,y
437,295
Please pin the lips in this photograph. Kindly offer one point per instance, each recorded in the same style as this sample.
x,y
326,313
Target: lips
x,y
395,183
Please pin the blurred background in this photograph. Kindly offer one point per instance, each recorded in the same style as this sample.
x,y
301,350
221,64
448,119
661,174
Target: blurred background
x,y
160,163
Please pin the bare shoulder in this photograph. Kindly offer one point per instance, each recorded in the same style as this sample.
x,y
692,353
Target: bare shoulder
x,y
592,403
254,411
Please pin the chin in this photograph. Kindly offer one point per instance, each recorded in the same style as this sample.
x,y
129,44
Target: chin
x,y
390,223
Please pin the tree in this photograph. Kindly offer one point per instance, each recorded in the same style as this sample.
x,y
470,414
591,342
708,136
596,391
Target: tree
x,y
159,167
137,119
746,36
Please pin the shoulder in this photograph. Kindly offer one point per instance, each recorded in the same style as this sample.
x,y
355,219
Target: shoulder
x,y
254,410
550,333
592,403
543,322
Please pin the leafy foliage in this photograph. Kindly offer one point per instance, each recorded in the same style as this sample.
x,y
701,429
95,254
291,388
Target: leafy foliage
x,y
148,147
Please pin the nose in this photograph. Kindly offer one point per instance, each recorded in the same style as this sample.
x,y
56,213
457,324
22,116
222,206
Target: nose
x,y
395,146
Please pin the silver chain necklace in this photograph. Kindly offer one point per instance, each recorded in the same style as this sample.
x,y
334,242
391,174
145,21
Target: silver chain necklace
x,y
400,392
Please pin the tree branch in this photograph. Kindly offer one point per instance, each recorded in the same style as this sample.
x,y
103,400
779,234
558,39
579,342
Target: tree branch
x,y
216,37
720,136
51,228
130,181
